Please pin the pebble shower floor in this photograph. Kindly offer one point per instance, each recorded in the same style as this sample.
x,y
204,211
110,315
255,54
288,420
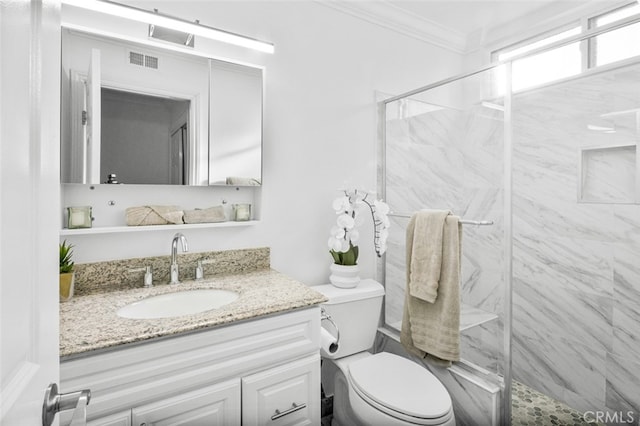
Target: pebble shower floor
x,y
530,407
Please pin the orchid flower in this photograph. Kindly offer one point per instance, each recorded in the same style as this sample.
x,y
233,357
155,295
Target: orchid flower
x,y
344,236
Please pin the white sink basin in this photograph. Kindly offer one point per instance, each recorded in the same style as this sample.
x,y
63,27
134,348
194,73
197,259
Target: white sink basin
x,y
177,304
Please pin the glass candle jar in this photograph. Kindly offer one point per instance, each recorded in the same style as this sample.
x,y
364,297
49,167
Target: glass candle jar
x,y
241,212
79,217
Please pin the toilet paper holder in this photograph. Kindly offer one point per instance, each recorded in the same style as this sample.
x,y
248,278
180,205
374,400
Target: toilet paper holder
x,y
324,316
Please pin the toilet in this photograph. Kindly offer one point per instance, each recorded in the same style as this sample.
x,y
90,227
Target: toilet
x,y
380,389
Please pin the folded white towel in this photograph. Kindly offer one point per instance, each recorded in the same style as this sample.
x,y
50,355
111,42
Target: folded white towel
x,y
242,181
153,215
431,317
212,214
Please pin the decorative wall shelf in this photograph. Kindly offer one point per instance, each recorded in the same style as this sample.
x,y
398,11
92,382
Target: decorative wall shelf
x,y
153,228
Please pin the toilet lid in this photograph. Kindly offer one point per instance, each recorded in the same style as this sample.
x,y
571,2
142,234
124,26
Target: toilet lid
x,y
400,385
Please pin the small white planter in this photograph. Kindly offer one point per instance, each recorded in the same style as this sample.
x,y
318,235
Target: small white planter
x,y
344,276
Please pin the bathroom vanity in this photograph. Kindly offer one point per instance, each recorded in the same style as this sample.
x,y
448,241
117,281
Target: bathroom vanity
x,y
253,361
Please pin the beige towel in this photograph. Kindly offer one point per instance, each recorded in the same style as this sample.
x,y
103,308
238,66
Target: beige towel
x,y
212,214
426,254
242,181
153,215
431,317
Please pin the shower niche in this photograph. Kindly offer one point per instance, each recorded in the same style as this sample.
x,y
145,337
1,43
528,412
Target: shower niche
x,y
609,174
609,159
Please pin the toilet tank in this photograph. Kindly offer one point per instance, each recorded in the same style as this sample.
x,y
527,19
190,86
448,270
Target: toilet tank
x,y
356,312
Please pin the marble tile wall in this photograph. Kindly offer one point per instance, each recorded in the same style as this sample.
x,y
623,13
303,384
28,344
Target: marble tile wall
x,y
576,286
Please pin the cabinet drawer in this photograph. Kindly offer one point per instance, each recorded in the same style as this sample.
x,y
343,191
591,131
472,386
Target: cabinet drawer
x,y
217,405
285,395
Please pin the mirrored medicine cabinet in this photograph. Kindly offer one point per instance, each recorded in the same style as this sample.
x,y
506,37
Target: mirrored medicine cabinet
x,y
140,114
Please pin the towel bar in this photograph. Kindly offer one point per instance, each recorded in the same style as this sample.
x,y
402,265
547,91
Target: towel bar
x,y
462,221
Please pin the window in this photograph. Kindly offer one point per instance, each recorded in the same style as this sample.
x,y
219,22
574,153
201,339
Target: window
x,y
567,60
618,44
545,41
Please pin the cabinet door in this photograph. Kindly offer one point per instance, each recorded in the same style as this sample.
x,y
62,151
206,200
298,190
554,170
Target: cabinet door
x,y
285,395
122,418
209,406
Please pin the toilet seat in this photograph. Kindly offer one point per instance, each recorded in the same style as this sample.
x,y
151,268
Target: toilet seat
x,y
401,389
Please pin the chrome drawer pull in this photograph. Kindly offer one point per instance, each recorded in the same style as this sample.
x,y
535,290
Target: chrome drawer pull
x,y
293,409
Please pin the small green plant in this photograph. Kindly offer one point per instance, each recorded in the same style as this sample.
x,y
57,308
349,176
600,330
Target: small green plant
x,y
66,253
347,258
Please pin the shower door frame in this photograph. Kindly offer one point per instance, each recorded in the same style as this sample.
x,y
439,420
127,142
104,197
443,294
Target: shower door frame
x,y
382,189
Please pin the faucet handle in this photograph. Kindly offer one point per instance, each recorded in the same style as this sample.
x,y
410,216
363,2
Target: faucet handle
x,y
199,271
148,277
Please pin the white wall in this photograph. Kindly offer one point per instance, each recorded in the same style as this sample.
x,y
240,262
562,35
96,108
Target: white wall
x,y
319,131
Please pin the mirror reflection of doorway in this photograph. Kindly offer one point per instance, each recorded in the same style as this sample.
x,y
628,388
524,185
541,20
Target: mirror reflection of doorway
x,y
179,150
143,130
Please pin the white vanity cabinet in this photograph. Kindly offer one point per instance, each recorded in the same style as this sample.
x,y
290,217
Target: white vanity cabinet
x,y
254,372
217,405
285,395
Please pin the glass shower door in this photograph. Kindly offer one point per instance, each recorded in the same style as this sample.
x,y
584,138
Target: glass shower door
x,y
443,149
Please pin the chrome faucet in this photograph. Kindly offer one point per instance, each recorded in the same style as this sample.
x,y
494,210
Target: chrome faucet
x,y
174,255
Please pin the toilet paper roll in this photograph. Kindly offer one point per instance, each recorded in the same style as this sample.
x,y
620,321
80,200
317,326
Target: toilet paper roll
x,y
328,343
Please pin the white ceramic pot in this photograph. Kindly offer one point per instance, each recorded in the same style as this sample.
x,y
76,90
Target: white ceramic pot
x,y
344,276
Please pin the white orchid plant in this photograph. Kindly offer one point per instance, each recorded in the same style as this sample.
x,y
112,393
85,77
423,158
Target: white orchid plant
x,y
343,242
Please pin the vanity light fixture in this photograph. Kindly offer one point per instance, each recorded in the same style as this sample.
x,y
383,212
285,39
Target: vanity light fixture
x,y
154,18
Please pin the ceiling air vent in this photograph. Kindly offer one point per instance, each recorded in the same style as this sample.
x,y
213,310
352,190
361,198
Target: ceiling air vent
x,y
142,60
151,62
136,58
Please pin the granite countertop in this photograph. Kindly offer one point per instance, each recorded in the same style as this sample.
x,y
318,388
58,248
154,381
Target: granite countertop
x,y
89,323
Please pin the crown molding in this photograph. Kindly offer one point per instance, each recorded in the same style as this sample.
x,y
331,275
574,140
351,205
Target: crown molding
x,y
392,17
